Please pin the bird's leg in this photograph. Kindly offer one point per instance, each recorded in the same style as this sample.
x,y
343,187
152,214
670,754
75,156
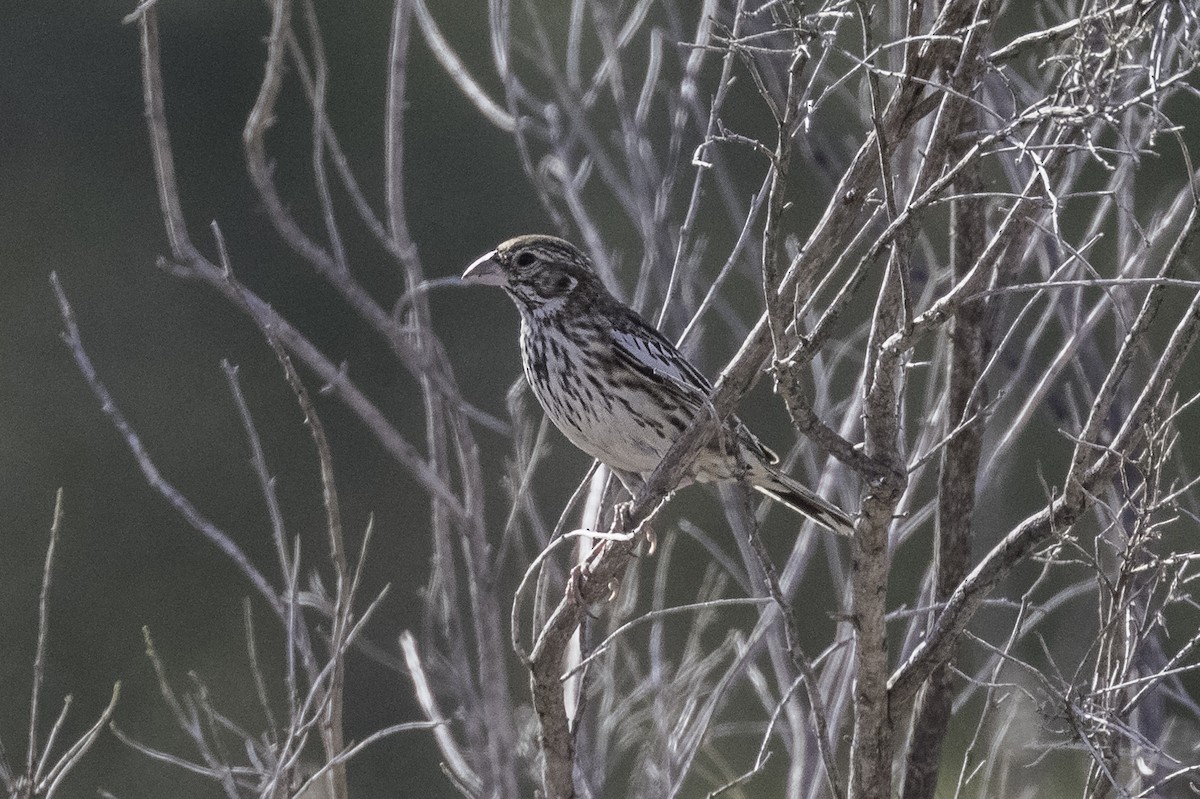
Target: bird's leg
x,y
634,484
582,569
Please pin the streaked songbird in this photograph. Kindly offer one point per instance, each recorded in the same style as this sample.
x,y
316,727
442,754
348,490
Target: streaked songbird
x,y
614,385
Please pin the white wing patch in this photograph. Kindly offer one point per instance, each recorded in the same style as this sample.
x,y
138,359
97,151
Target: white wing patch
x,y
663,359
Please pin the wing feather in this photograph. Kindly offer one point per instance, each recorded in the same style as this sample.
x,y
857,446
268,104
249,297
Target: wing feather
x,y
648,349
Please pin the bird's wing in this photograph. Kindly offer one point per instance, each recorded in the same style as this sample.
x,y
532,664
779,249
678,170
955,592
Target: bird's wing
x,y
645,349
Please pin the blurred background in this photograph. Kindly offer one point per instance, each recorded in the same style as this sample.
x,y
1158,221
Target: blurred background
x,y
77,197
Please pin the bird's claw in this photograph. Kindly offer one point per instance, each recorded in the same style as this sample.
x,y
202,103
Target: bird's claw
x,y
621,512
579,573
651,538
621,523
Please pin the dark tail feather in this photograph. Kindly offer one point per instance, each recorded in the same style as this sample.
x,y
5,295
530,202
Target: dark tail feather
x,y
784,490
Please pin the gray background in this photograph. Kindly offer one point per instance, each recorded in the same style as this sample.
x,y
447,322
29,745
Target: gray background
x,y
77,197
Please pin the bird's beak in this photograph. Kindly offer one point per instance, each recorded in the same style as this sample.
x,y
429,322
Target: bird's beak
x,y
486,271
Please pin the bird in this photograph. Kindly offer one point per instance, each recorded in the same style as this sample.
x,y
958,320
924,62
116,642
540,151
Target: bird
x,y
614,385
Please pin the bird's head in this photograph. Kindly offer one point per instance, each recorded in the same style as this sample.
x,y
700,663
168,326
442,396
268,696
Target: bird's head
x,y
541,273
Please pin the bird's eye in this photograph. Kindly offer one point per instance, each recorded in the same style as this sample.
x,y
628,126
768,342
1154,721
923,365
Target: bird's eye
x,y
526,259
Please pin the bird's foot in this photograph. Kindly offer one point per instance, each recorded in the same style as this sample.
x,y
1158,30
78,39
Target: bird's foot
x,y
579,573
651,538
621,524
575,582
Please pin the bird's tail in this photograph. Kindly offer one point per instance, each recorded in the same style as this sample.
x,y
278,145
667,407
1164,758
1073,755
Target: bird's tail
x,y
787,491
